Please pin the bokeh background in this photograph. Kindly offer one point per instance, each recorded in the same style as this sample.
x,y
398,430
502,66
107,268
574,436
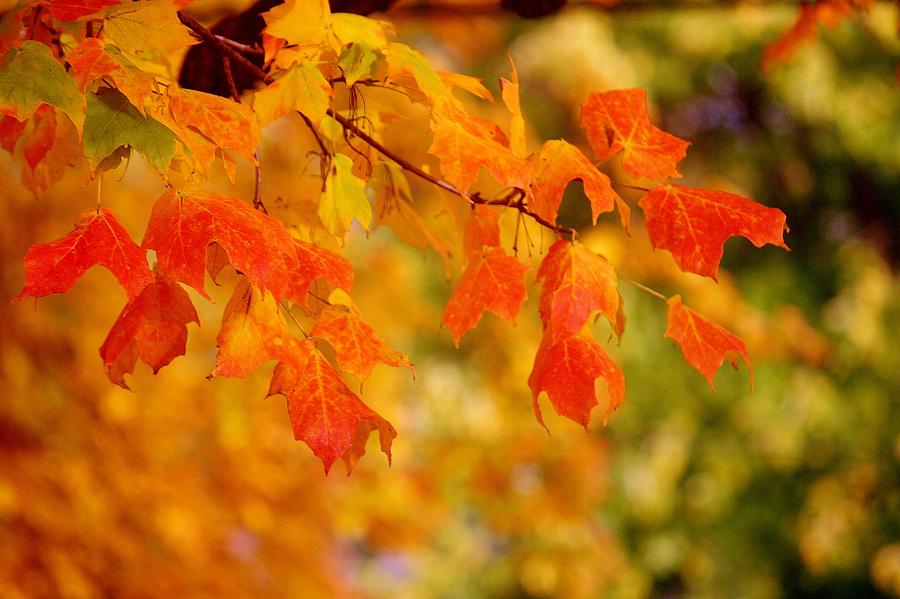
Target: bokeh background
x,y
195,488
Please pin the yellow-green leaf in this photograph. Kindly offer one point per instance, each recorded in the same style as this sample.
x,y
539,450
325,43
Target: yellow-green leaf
x,y
148,29
344,198
302,88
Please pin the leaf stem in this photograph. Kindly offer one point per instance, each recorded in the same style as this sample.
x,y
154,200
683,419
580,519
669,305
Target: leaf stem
x,y
643,287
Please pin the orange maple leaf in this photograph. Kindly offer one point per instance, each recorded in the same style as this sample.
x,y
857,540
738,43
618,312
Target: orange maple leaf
x,y
694,223
618,121
704,343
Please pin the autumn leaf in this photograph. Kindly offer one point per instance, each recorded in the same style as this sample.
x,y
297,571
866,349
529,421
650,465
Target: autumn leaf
x,y
492,281
147,29
226,123
72,10
253,332
405,63
299,21
152,326
358,61
829,13
509,91
694,224
112,122
704,343
97,238
566,370
357,347
344,198
51,146
576,284
555,165
183,223
91,59
314,262
618,121
325,414
302,88
30,76
462,154
482,230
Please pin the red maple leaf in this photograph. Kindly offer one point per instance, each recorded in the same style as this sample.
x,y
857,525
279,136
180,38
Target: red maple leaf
x,y
72,10
493,281
152,326
325,413
704,343
183,224
694,224
554,166
577,283
357,347
482,230
97,238
618,121
566,370
314,262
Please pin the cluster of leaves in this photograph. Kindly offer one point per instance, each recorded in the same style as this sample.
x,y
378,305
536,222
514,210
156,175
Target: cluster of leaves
x,y
93,81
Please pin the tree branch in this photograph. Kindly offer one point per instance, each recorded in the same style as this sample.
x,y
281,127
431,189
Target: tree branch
x,y
473,198
223,47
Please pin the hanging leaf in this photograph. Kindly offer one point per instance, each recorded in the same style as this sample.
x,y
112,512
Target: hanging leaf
x,y
152,326
325,414
482,230
302,88
704,343
555,165
694,224
344,198
566,370
492,281
97,238
618,121
577,284
314,262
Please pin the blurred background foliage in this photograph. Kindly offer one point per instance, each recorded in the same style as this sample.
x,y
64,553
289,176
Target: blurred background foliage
x,y
194,488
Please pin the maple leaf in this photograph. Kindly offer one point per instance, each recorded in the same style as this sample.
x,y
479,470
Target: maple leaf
x,y
10,132
72,10
618,121
253,332
299,21
462,153
51,146
314,262
577,283
482,229
183,223
829,13
344,198
226,123
404,62
152,326
29,76
147,29
492,281
566,370
357,347
509,91
112,122
97,238
325,414
302,88
92,59
554,166
694,223
704,343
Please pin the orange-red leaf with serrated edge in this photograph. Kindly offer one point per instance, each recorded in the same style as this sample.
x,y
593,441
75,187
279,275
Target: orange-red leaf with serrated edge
x,y
577,283
462,153
97,238
618,121
153,326
72,10
253,332
325,414
223,121
492,281
829,13
554,166
482,229
10,132
183,224
704,343
566,370
694,224
89,61
314,262
357,347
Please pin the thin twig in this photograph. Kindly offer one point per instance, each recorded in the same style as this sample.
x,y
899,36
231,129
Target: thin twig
x,y
629,186
252,50
213,39
643,287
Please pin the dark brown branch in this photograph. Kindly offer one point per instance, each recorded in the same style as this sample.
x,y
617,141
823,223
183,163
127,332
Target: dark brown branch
x,y
253,50
472,198
206,35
